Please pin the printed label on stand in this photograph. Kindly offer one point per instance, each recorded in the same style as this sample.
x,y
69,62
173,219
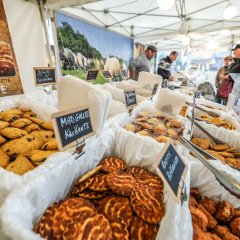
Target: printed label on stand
x,y
92,75
106,74
130,98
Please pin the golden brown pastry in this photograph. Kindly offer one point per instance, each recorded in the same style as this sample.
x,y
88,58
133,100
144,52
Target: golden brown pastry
x,y
175,123
37,157
233,162
225,211
162,139
220,147
147,204
51,145
210,205
201,142
12,132
146,125
89,194
216,155
3,124
144,133
230,236
81,187
29,114
21,146
42,134
199,218
20,123
25,109
130,127
115,207
153,120
160,129
172,133
10,115
235,226
221,230
226,154
236,213
198,234
121,183
89,174
195,193
2,140
192,202
112,164
141,230
36,120
99,183
212,223
213,236
47,125
119,229
143,114
32,127
20,166
4,159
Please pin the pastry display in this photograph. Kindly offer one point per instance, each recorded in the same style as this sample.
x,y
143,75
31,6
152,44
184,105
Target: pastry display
x,y
222,152
25,142
113,201
218,122
213,220
156,125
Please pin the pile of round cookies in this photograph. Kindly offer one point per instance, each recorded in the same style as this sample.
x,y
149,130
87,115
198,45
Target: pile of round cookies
x,y
25,140
156,125
222,152
113,201
213,220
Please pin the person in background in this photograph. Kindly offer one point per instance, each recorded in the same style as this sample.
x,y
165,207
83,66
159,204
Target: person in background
x,y
222,70
165,65
142,62
227,85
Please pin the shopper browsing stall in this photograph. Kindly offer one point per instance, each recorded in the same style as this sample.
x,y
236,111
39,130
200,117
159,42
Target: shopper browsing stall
x,y
227,85
142,62
165,65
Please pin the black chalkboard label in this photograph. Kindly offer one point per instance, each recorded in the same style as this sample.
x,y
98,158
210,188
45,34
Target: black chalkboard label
x,y
124,73
130,98
106,74
44,76
155,87
72,125
172,169
92,75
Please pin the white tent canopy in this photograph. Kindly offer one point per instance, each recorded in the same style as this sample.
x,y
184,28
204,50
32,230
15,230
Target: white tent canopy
x,y
147,23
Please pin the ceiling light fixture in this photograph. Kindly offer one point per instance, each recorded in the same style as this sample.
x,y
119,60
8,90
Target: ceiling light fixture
x,y
165,4
229,12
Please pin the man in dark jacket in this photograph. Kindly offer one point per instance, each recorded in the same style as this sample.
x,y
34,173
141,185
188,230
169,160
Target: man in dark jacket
x,y
165,65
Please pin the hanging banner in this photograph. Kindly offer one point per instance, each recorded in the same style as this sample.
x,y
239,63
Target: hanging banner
x,y
10,82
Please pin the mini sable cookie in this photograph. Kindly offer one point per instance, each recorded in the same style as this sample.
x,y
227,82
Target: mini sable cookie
x,y
89,174
172,133
4,159
216,155
225,211
29,114
81,187
47,125
144,133
226,154
130,127
160,129
220,147
175,123
20,166
99,183
3,124
119,229
12,132
89,194
20,123
201,142
51,145
162,139
37,157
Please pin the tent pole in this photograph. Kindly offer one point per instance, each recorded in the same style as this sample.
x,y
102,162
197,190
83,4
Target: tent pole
x,y
56,47
46,33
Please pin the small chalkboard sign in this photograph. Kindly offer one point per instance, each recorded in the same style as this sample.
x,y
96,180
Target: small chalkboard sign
x,y
44,76
124,73
172,169
107,74
72,125
130,98
92,75
154,90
